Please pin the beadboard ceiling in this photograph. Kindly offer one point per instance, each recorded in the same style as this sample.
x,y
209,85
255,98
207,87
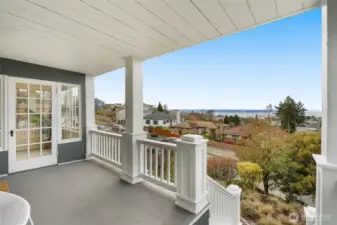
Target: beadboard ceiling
x,y
93,36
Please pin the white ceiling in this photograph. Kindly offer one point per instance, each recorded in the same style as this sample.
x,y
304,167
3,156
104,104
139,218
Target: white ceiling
x,y
93,36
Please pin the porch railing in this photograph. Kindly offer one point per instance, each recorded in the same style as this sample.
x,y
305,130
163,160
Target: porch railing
x,y
106,146
158,162
225,203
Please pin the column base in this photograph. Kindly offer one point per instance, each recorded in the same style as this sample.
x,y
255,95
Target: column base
x,y
130,179
191,206
88,157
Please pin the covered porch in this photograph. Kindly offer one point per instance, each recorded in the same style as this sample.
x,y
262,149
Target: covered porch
x,y
69,43
88,192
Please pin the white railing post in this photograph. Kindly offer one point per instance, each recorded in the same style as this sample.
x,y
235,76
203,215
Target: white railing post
x,y
236,192
191,173
310,215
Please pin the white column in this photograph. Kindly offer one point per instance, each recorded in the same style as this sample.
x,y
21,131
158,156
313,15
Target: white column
x,y
326,176
89,111
191,173
133,120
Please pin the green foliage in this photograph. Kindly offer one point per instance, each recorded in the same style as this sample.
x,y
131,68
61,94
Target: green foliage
x,y
232,120
300,176
226,120
160,108
290,113
221,168
159,127
154,135
250,173
265,147
207,136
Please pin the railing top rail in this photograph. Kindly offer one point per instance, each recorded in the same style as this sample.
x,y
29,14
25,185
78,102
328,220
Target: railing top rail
x,y
157,143
220,187
106,133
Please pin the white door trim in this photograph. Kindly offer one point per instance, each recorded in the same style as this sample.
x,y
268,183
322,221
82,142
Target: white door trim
x,y
16,166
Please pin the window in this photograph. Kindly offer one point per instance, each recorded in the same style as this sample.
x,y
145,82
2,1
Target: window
x,y
164,121
147,122
155,122
70,112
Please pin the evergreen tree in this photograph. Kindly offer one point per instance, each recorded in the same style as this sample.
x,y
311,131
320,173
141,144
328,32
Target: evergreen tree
x,y
160,108
226,120
236,120
290,113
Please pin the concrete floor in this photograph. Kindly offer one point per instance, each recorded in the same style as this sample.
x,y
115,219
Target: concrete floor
x,y
88,193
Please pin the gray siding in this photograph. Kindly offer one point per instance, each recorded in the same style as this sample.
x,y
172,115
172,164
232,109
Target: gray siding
x,y
204,219
69,151
3,162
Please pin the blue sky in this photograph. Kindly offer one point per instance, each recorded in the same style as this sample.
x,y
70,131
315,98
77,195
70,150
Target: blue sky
x,y
247,70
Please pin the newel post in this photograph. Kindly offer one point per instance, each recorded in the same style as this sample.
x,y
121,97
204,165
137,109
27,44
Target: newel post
x,y
236,192
191,173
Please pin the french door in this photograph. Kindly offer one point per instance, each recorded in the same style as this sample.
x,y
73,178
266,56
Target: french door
x,y
31,124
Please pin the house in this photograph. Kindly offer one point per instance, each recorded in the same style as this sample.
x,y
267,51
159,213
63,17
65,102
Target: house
x,y
240,132
51,52
309,125
161,119
194,127
120,113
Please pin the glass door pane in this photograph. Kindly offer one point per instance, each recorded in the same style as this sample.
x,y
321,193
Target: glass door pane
x,y
33,121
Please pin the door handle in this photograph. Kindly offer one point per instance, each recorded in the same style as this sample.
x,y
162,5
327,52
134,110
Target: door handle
x,y
11,133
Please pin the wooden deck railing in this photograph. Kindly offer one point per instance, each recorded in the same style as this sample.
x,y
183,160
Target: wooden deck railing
x,y
158,162
106,146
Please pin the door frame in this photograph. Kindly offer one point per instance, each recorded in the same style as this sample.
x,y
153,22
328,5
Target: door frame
x,y
17,166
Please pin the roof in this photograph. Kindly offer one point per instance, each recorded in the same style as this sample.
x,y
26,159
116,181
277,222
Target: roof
x,y
242,130
202,124
157,116
184,125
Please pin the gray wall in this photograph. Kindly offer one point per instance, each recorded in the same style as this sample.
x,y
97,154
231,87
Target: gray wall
x,y
204,219
69,151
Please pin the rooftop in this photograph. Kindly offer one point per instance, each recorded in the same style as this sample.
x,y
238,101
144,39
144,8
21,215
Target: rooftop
x,y
88,192
158,116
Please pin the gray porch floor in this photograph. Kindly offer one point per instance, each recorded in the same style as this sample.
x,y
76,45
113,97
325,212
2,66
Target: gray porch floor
x,y
88,193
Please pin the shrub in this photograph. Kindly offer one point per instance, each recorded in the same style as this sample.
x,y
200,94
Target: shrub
x,y
267,220
250,173
154,135
221,168
159,127
207,136
250,209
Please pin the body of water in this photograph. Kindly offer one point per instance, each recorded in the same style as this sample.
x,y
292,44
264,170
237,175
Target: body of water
x,y
246,112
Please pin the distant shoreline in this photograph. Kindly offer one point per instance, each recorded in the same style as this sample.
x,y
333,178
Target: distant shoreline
x,y
245,112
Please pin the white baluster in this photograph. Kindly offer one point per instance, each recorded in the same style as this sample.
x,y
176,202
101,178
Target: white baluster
x,y
156,163
162,163
168,166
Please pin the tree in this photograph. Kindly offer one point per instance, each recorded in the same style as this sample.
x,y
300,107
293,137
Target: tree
x,y
290,113
236,120
165,108
256,117
226,120
265,148
99,103
160,108
210,114
300,176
